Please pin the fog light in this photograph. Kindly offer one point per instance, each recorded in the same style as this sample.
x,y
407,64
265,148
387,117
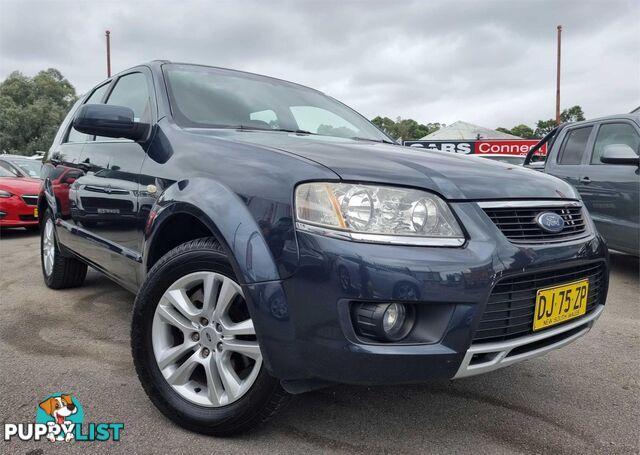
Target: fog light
x,y
393,319
384,321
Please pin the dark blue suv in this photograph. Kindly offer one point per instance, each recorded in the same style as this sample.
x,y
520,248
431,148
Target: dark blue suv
x,y
278,242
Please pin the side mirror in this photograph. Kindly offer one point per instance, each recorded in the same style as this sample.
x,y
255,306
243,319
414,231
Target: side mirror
x,y
68,180
110,121
619,154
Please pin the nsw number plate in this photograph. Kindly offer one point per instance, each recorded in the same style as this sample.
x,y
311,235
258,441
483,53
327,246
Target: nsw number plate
x,y
560,303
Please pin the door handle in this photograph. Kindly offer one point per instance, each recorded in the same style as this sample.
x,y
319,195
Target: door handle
x,y
585,180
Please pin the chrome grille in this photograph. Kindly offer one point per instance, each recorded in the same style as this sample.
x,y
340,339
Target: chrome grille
x,y
30,199
518,221
510,309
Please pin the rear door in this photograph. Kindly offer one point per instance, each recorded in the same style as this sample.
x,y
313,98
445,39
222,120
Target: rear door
x,y
65,156
611,192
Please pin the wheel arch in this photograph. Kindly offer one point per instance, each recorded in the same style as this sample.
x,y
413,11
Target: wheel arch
x,y
200,207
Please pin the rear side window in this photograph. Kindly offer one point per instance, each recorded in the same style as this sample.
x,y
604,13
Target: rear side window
x,y
95,98
575,146
615,133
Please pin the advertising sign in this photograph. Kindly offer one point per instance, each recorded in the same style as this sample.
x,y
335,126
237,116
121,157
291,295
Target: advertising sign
x,y
493,146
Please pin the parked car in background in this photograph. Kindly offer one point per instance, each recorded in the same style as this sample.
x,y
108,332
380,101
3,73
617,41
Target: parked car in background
x,y
18,200
279,242
61,178
518,160
601,159
21,166
37,156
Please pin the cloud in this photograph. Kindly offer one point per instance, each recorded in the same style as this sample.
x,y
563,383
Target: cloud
x,y
490,63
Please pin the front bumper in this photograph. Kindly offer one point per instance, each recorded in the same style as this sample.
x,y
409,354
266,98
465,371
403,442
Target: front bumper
x,y
304,326
14,212
486,357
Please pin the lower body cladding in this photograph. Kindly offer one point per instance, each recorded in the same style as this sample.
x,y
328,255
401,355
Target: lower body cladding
x,y
471,309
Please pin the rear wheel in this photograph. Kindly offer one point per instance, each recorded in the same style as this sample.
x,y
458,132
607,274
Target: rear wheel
x,y
195,347
59,272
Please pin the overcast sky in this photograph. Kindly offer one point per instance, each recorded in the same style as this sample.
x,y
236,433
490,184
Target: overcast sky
x,y
489,63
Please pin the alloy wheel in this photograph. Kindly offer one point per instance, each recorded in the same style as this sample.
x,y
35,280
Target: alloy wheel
x,y
204,341
48,247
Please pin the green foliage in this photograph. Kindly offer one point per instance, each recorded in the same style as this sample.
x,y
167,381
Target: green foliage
x,y
523,131
407,129
572,114
543,127
31,110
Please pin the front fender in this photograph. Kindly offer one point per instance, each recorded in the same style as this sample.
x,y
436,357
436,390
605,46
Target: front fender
x,y
226,215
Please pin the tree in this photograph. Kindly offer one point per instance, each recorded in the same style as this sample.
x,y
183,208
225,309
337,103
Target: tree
x,y
521,130
543,127
407,129
572,114
31,110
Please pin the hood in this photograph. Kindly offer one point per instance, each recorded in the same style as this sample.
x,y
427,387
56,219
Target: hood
x,y
20,185
456,177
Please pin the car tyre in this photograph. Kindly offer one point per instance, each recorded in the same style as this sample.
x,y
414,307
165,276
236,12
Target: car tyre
x,y
59,272
258,403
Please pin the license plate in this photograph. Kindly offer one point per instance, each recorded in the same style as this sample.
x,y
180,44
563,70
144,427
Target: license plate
x,y
560,303
35,212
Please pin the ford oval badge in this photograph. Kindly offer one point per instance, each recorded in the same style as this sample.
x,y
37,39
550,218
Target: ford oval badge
x,y
550,222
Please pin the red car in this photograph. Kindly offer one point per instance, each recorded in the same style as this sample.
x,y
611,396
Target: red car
x,y
18,201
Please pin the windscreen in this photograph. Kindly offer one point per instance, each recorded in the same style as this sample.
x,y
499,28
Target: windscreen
x,y
216,98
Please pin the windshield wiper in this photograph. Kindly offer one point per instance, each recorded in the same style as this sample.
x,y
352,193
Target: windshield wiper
x,y
293,131
256,128
382,141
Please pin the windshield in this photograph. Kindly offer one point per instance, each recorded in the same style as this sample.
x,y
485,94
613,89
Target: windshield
x,y
203,97
5,173
29,168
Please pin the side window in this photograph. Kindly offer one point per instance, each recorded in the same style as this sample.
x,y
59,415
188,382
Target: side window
x,y
615,133
95,98
575,146
132,91
321,121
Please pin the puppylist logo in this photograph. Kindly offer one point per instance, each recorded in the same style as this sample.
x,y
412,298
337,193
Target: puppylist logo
x,y
60,417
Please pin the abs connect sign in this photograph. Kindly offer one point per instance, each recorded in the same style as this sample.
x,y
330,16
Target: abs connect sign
x,y
498,147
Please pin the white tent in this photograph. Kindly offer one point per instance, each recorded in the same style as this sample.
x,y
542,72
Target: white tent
x,y
463,131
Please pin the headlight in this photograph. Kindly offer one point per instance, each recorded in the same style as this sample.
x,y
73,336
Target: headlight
x,y
371,213
5,194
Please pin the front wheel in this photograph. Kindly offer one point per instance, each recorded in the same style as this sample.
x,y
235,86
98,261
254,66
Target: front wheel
x,y
195,347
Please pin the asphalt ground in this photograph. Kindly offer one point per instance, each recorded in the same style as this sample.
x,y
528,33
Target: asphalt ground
x,y
584,398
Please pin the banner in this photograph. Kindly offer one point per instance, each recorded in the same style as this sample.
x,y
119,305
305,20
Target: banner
x,y
491,146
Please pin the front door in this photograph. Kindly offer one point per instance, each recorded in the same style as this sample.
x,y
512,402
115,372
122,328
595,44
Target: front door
x,y
568,164
611,192
105,199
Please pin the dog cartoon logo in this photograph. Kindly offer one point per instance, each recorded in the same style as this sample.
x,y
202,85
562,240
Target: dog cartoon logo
x,y
61,413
